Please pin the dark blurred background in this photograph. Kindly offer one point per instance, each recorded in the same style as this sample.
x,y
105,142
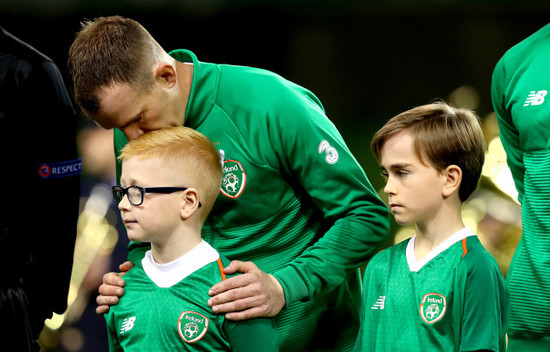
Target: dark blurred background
x,y
366,60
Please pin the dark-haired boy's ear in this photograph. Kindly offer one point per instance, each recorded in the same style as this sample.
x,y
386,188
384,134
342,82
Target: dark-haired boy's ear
x,y
453,179
165,74
190,204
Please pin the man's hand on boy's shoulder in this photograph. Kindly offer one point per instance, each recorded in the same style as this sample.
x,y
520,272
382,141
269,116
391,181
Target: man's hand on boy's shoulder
x,y
111,288
250,295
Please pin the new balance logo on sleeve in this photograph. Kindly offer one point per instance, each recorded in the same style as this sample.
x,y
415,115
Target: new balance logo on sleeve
x,y
127,324
535,98
379,303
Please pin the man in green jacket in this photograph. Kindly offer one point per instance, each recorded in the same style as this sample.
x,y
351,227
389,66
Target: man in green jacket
x,y
294,202
521,81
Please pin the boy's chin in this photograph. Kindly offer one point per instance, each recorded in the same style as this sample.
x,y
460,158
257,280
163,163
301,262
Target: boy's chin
x,y
137,238
403,222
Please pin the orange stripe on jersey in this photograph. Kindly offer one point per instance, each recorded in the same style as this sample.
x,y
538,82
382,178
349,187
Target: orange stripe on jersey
x,y
221,268
464,248
125,272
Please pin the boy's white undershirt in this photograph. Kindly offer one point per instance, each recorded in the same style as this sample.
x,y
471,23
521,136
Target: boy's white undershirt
x,y
169,274
415,265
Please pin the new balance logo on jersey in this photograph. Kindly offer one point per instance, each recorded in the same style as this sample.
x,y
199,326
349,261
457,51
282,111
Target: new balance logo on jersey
x,y
127,324
379,304
535,98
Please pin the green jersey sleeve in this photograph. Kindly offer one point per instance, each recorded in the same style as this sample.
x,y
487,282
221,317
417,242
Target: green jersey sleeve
x,y
509,134
485,304
258,334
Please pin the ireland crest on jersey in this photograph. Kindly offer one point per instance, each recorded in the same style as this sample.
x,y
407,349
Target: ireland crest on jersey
x,y
234,178
433,307
192,326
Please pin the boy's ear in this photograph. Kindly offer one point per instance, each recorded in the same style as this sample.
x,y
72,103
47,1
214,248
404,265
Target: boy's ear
x,y
190,203
453,179
165,74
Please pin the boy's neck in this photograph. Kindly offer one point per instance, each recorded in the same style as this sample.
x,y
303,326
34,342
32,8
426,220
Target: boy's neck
x,y
431,234
174,247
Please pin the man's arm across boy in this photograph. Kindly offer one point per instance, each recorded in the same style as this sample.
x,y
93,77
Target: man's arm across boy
x,y
321,164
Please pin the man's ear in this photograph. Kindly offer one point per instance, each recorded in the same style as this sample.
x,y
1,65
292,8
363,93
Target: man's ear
x,y
452,180
190,203
165,74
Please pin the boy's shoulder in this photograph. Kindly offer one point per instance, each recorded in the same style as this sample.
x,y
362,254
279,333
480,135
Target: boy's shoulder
x,y
224,263
478,265
398,249
390,254
476,255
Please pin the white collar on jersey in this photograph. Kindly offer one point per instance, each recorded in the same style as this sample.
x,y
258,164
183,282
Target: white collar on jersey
x,y
169,274
415,265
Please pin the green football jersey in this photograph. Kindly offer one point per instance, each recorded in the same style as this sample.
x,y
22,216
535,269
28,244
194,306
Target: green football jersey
x,y
293,199
521,81
164,309
454,299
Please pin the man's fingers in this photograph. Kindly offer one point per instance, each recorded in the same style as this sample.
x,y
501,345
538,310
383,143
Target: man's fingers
x,y
230,284
255,312
127,265
111,286
250,295
228,302
238,266
113,279
102,309
110,290
106,300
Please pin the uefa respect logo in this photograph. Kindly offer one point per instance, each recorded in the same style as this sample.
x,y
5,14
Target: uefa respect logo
x,y
60,169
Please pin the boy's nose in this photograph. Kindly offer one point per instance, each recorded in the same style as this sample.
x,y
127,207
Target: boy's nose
x,y
124,203
389,187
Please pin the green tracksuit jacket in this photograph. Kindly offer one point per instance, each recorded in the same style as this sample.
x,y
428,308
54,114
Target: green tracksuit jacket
x,y
521,81
293,199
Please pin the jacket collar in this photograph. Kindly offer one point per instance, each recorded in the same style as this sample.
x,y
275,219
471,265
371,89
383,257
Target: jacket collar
x,y
203,87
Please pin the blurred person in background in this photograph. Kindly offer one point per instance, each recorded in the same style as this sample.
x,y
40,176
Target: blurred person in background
x,y
40,192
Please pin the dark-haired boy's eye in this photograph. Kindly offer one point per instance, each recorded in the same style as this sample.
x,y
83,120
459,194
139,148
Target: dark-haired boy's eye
x,y
402,173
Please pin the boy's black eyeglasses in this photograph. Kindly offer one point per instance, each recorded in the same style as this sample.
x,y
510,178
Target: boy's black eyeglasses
x,y
136,193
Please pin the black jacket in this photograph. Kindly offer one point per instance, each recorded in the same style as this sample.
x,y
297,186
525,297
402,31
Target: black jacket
x,y
39,195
